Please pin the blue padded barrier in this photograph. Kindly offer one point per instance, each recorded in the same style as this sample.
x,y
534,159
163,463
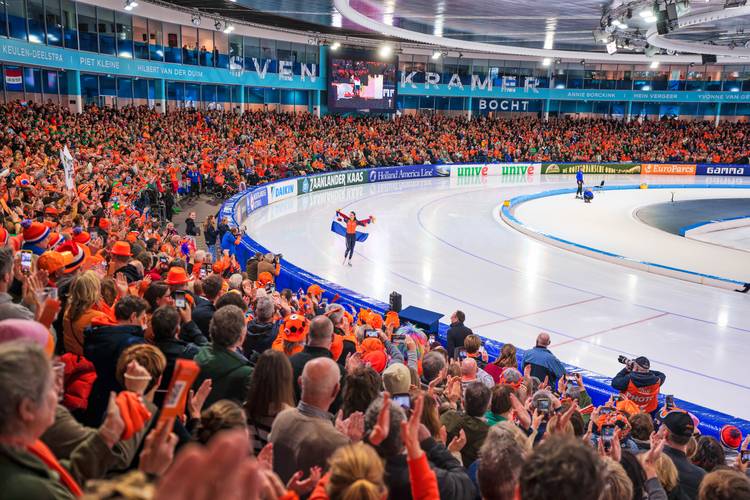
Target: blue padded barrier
x,y
292,277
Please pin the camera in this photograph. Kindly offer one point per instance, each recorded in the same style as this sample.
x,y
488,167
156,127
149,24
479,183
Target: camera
x,y
625,361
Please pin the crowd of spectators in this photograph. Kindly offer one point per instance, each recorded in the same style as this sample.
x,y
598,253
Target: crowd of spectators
x,y
102,304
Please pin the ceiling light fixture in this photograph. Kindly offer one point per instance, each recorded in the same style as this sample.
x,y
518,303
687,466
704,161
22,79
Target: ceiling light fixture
x,y
654,64
228,28
385,51
217,25
196,20
130,5
436,55
546,61
335,46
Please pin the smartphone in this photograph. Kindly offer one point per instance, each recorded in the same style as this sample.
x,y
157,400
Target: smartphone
x,y
163,260
608,432
606,410
461,353
371,334
543,405
26,261
398,339
202,273
179,299
745,456
208,268
669,402
432,339
403,400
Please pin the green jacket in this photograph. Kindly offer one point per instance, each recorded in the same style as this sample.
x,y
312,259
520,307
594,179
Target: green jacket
x,y
23,476
229,372
493,419
475,429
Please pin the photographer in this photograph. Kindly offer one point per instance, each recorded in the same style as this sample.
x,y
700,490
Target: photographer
x,y
639,383
270,264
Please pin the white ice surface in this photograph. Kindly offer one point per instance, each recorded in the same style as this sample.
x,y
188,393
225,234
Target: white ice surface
x,y
608,224
439,245
736,237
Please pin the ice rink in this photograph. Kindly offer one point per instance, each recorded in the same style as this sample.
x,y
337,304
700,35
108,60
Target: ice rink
x,y
439,243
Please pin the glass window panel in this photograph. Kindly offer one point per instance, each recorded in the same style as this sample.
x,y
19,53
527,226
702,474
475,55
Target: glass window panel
x,y
16,18
251,49
36,20
190,45
87,27
283,51
89,87
53,17
268,49
70,24
221,50
124,26
106,27
125,88
171,43
235,52
140,37
155,36
49,81
107,86
140,89
206,44
32,80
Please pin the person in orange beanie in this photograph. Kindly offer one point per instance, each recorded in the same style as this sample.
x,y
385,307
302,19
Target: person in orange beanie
x,y
35,236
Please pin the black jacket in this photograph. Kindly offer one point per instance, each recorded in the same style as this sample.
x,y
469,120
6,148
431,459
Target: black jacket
x,y
299,361
190,228
259,338
456,335
251,268
639,379
189,332
102,345
210,234
453,481
202,313
690,474
173,349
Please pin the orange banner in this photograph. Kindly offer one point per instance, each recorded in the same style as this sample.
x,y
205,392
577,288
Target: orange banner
x,y
667,169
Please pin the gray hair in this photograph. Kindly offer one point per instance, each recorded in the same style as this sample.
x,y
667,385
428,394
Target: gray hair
x,y
200,255
24,374
235,282
392,445
227,326
264,309
501,458
321,331
511,375
335,313
541,394
432,364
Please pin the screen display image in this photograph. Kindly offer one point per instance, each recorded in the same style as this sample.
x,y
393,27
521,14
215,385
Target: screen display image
x,y
360,80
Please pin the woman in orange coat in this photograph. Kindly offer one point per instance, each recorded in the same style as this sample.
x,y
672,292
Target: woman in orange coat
x,y
85,307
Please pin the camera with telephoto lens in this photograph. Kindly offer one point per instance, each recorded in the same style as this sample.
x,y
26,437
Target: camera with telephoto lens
x,y
625,361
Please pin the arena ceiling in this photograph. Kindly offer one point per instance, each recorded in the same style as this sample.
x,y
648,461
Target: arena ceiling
x,y
560,25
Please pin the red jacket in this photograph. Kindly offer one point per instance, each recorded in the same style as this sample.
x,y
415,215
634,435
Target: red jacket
x,y
79,379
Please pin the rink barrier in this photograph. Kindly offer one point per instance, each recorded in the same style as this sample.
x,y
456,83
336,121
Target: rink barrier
x,y
242,204
727,223
506,214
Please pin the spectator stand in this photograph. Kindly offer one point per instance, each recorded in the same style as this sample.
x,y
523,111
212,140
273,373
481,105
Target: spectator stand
x,y
598,386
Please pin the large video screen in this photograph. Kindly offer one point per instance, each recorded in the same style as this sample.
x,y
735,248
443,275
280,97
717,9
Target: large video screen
x,y
361,80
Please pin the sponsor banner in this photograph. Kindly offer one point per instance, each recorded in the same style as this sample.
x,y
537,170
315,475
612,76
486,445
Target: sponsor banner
x,y
256,199
591,168
281,190
328,181
405,172
496,169
723,170
484,105
667,169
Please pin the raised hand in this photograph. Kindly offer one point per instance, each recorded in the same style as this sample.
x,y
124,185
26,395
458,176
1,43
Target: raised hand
x,y
410,430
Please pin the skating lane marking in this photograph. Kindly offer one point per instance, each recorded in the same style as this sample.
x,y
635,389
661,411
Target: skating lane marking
x,y
520,271
563,306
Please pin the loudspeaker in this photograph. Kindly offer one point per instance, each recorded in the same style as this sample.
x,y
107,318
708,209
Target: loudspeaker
x,y
708,58
671,12
394,302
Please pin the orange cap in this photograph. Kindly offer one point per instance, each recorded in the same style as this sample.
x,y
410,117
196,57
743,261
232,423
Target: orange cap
x,y
121,248
176,276
51,261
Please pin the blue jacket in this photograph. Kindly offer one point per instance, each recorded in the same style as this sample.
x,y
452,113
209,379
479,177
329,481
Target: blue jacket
x,y
227,242
623,379
34,249
544,364
194,176
102,345
579,176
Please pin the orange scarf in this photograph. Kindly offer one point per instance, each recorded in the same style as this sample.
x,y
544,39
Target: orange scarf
x,y
40,450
